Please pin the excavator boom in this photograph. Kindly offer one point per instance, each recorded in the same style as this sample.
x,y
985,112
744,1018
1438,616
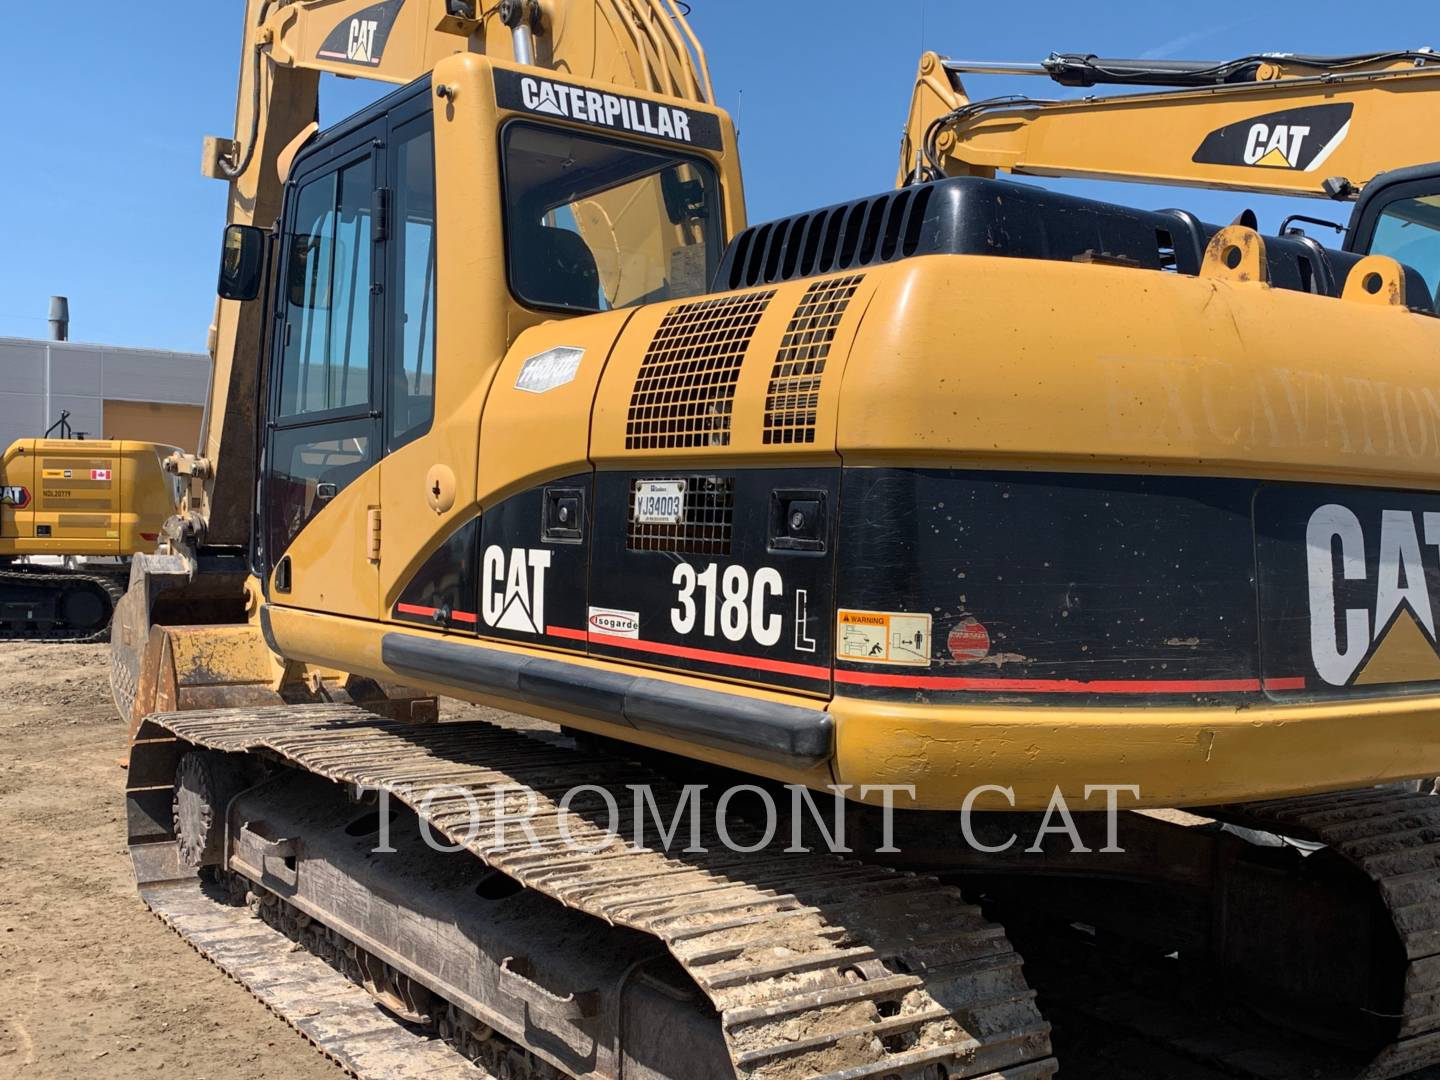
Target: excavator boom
x,y
1281,125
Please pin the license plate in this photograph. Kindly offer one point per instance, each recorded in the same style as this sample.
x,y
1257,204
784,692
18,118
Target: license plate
x,y
660,502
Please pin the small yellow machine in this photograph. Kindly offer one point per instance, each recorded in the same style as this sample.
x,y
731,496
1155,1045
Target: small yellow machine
x,y
90,504
965,489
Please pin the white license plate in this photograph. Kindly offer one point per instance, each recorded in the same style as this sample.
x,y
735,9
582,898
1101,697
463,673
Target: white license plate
x,y
660,502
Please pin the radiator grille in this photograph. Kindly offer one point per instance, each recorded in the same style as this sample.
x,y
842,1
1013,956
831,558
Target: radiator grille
x,y
686,387
704,528
793,398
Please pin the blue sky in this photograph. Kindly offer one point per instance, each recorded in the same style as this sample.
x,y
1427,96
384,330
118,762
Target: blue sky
x,y
101,197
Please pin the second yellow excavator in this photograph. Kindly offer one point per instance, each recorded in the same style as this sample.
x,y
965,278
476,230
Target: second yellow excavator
x,y
90,504
967,498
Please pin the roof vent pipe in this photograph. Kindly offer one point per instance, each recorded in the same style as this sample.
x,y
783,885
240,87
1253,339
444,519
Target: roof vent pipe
x,y
59,318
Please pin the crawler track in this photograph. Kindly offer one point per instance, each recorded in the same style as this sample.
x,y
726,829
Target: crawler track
x,y
17,624
1393,837
340,1019
818,967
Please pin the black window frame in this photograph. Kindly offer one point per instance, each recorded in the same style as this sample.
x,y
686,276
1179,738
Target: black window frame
x,y
676,154
416,112
1387,188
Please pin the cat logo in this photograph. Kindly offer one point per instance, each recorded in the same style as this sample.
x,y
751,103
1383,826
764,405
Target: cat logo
x,y
1391,638
1298,139
512,589
361,38
14,497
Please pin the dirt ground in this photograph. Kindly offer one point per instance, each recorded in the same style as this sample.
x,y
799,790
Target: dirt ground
x,y
94,985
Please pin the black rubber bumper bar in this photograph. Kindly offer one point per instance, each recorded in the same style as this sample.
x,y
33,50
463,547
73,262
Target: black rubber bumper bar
x,y
787,734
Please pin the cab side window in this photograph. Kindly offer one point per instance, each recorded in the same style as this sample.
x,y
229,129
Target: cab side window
x,y
1408,230
325,351
410,365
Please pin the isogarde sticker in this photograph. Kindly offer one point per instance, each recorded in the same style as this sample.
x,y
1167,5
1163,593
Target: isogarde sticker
x,y
614,622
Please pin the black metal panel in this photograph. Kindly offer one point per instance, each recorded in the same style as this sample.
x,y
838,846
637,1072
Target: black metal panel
x,y
1349,590
975,216
443,590
750,609
1067,589
529,578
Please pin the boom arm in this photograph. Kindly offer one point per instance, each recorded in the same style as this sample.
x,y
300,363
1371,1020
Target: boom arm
x,y
1313,126
644,44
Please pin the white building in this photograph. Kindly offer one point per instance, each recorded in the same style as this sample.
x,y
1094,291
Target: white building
x,y
144,394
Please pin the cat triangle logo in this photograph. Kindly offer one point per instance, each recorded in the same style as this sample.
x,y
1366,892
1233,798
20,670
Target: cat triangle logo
x,y
513,589
545,101
1404,655
1275,160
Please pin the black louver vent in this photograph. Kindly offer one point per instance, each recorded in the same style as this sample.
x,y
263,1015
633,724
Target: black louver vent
x,y
878,230
686,386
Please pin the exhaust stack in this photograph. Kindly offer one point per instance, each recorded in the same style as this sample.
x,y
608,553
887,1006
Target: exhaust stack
x,y
59,318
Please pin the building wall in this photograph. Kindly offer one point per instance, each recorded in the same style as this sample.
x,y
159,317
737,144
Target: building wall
x,y
101,386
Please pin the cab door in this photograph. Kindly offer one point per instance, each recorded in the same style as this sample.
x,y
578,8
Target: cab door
x,y
321,480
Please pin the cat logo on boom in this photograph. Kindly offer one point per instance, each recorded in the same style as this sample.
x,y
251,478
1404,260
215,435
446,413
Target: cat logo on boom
x,y
361,38
1297,139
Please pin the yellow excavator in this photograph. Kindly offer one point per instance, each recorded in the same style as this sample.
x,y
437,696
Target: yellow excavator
x,y
965,496
91,503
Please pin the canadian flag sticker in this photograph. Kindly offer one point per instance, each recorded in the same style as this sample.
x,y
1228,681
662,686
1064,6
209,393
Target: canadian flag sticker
x,y
99,474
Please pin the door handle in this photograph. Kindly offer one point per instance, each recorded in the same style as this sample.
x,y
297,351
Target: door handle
x,y
326,492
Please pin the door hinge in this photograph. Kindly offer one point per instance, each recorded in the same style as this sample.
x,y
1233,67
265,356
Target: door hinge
x,y
372,534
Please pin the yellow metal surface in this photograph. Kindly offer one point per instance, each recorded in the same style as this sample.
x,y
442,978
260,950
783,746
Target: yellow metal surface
x,y
1021,363
1176,756
83,497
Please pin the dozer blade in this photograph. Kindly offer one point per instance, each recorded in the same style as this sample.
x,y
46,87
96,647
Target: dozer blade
x,y
809,965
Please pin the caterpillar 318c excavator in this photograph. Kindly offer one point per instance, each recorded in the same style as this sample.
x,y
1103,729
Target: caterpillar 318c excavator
x,y
966,489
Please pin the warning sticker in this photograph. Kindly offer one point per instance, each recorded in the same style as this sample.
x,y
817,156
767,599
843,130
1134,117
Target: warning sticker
x,y
883,637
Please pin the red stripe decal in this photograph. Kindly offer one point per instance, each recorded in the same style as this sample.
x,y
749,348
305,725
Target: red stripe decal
x,y
429,613
1051,686
759,663
1285,684
908,682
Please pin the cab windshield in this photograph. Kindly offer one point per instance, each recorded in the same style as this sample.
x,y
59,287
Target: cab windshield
x,y
1408,230
595,223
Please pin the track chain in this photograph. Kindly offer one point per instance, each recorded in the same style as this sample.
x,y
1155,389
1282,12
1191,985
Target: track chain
x,y
61,581
1393,837
819,966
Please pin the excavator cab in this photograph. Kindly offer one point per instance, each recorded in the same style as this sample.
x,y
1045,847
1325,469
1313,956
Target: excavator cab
x,y
560,199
